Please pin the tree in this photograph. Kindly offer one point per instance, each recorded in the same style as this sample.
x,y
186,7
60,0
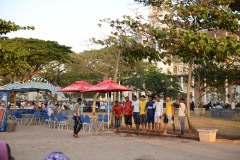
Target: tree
x,y
212,77
233,4
23,58
9,26
182,34
153,82
7,55
128,49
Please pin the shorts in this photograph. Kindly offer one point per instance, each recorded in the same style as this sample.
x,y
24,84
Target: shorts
x,y
128,119
150,119
170,118
136,117
157,119
143,119
118,121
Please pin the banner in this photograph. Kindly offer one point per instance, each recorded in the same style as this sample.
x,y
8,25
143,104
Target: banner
x,y
3,110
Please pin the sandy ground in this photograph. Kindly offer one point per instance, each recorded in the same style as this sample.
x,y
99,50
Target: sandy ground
x,y
35,142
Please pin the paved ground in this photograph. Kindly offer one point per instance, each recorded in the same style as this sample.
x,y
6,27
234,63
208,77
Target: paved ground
x,y
35,142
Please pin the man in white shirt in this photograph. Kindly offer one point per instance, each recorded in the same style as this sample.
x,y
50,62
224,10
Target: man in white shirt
x,y
158,105
50,111
181,115
102,107
136,110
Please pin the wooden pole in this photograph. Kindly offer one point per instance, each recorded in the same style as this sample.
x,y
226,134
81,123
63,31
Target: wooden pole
x,y
37,107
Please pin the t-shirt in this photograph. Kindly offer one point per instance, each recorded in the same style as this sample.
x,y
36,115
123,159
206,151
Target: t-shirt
x,y
135,105
142,105
74,112
128,108
50,111
169,108
158,108
182,108
233,105
117,110
150,109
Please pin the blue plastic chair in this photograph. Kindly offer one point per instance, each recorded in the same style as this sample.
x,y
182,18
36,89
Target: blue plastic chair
x,y
19,117
32,111
52,120
46,117
61,122
59,117
100,117
87,123
100,125
82,118
37,117
28,111
105,120
12,113
87,119
65,116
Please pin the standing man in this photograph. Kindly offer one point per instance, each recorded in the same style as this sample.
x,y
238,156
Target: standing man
x,y
170,114
158,105
233,106
136,106
77,120
117,110
128,114
142,116
150,113
181,115
192,106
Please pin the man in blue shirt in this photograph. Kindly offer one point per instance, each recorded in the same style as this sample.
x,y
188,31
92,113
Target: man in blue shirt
x,y
150,113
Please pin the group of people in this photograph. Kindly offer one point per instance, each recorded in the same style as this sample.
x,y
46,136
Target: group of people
x,y
148,115
24,104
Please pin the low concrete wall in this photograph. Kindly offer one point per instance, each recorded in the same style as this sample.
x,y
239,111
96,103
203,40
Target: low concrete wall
x,y
230,114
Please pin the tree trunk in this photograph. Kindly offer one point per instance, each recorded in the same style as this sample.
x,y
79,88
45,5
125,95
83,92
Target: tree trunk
x,y
116,72
95,97
115,77
94,103
190,64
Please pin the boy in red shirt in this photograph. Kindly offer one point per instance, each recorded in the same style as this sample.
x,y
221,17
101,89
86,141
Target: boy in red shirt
x,y
128,108
117,110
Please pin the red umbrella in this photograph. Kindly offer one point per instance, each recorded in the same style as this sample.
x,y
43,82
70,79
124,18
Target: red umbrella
x,y
108,86
78,86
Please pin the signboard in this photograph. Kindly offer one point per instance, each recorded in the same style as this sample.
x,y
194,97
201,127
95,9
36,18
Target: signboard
x,y
3,110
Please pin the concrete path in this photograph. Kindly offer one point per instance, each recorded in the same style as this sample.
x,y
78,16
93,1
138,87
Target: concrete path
x,y
36,142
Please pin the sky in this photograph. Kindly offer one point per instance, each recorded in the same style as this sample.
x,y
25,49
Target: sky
x,y
69,22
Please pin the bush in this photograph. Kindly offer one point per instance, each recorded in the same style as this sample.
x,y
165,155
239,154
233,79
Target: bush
x,y
227,106
238,105
206,106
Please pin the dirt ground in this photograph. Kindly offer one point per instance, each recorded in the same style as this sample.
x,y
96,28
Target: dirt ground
x,y
226,129
35,142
